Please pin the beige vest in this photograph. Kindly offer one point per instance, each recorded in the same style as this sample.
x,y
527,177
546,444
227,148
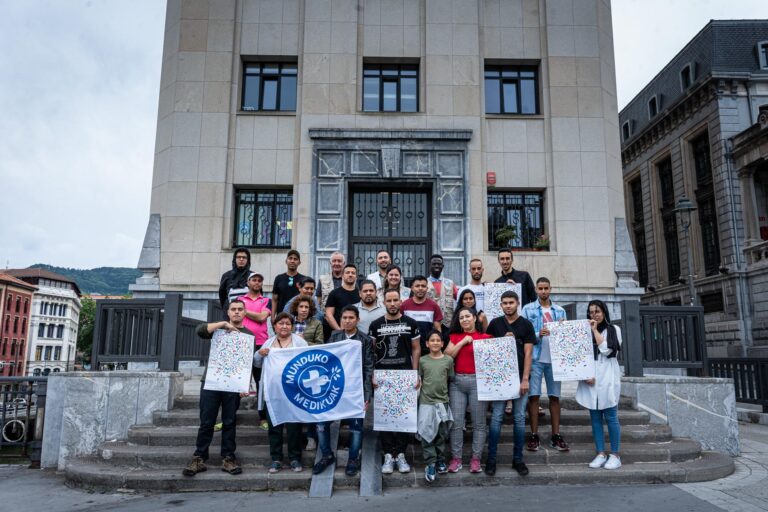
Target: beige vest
x,y
326,281
445,300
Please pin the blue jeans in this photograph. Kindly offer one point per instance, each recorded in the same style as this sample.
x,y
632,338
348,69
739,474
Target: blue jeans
x,y
611,416
355,443
497,417
539,371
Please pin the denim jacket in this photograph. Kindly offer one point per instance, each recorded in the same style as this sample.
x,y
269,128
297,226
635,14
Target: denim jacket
x,y
532,312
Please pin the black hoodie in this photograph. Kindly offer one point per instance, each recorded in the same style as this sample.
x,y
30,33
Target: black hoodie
x,y
234,283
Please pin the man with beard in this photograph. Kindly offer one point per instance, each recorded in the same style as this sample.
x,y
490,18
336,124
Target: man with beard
x,y
476,284
345,295
441,289
234,283
512,276
383,260
424,310
369,308
284,287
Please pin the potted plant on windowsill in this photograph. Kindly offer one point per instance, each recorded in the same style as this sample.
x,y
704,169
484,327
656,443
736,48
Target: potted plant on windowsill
x,y
504,236
541,243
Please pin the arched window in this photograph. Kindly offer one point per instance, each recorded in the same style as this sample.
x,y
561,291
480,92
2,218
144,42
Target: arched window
x,y
36,372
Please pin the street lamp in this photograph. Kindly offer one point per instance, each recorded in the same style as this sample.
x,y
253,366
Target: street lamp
x,y
684,208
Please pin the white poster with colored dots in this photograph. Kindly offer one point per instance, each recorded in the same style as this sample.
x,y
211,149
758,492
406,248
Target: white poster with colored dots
x,y
570,346
229,362
492,300
395,401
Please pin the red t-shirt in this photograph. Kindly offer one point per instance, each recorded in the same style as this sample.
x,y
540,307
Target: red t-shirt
x,y
465,359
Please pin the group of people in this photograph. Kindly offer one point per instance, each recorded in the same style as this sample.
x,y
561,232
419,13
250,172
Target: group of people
x,y
429,326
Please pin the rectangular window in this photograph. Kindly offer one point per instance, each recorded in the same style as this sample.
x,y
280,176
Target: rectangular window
x,y
60,332
269,87
653,107
514,213
511,90
264,218
669,220
626,131
391,88
705,199
686,77
712,302
638,229
762,52
48,351
38,353
57,354
41,331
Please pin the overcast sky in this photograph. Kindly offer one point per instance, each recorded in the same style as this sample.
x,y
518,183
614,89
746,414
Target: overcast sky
x,y
79,82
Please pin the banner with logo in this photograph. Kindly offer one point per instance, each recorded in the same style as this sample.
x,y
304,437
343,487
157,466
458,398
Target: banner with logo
x,y
570,346
492,298
315,383
498,376
395,401
229,362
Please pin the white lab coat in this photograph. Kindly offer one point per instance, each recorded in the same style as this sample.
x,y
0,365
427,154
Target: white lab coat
x,y
606,390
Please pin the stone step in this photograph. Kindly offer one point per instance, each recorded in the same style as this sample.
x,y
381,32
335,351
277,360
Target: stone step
x,y
251,435
153,457
91,474
190,417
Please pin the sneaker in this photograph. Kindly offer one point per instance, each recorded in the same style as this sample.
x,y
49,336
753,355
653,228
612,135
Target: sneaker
x,y
558,443
196,465
389,464
429,473
614,462
520,467
231,465
275,467
353,466
311,445
490,467
598,461
402,464
322,464
455,465
474,465
264,425
217,427
533,443
296,466
441,467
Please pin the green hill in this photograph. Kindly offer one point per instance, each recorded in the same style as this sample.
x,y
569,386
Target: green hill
x,y
102,280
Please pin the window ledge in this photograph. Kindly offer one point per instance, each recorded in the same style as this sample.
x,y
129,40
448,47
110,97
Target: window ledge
x,y
514,116
266,113
379,113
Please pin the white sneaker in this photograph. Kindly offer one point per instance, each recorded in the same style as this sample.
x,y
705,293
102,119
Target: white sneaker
x,y
311,445
598,461
614,462
402,464
389,464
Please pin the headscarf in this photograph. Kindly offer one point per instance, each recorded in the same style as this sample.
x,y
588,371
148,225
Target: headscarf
x,y
613,339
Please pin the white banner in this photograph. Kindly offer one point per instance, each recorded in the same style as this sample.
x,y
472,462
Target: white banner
x,y
229,362
395,401
498,376
570,346
492,299
315,383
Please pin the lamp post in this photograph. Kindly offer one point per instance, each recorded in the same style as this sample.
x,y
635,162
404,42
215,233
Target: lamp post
x,y
684,208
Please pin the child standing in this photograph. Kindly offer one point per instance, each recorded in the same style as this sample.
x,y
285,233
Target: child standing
x,y
435,416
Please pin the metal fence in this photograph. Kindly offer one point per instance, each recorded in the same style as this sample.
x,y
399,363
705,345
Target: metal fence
x,y
750,377
22,417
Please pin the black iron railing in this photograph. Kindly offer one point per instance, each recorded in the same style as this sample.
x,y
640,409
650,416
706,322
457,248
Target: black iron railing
x,y
750,377
22,417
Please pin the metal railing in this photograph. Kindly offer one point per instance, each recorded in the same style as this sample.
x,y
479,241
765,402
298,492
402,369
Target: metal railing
x,y
750,377
22,417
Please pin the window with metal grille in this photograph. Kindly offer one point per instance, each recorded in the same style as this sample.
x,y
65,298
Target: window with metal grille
x,y
511,90
264,218
705,200
391,88
669,219
638,229
269,86
520,213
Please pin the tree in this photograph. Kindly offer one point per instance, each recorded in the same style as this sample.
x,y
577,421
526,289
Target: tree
x,y
85,328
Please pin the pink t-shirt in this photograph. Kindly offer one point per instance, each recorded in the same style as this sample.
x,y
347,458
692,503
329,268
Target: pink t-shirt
x,y
257,305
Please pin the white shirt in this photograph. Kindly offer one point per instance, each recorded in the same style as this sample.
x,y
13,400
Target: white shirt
x,y
606,390
376,278
479,291
544,356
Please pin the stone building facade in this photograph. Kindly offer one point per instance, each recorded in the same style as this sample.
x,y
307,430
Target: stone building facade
x,y
677,141
422,126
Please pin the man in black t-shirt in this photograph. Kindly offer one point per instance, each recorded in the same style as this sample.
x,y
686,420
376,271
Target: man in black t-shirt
x,y
512,276
285,286
396,347
344,295
512,324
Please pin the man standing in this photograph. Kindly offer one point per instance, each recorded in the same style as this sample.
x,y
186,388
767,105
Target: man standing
x,y
233,282
284,287
396,347
344,296
476,283
512,324
424,310
441,289
512,276
350,331
257,309
383,260
211,401
306,287
369,308
539,313
329,282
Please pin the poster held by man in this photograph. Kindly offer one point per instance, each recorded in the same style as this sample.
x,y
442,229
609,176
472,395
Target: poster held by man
x,y
229,362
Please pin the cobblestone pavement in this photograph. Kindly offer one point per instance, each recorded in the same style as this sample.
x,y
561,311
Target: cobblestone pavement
x,y
746,490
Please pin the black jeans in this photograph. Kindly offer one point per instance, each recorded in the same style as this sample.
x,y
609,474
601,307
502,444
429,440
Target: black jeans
x,y
295,440
394,442
210,401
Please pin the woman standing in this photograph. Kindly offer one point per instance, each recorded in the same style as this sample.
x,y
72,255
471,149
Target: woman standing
x,y
463,389
283,338
467,299
394,281
601,393
305,324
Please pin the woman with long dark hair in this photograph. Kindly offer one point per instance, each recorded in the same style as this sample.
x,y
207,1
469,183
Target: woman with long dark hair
x,y
467,299
601,393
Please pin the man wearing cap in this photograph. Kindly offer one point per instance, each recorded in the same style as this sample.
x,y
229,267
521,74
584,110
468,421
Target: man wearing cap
x,y
257,308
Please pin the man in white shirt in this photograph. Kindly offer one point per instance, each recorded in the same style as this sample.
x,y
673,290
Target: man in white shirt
x,y
383,260
475,284
369,307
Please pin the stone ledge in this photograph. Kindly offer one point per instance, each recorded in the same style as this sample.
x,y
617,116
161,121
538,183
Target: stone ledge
x,y
356,133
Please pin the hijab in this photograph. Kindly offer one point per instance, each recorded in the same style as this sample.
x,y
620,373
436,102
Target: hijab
x,y
605,325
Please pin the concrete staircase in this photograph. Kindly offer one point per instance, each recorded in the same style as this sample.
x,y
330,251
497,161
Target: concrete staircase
x,y
152,457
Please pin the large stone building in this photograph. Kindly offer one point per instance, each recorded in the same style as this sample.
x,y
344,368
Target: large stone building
x,y
678,141
421,126
15,308
55,316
